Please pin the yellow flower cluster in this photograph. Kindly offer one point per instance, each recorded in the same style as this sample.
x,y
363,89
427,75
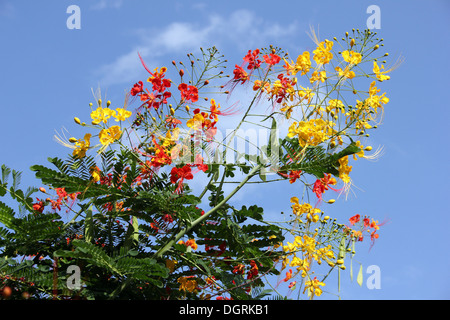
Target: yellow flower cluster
x,y
103,114
312,132
299,209
310,251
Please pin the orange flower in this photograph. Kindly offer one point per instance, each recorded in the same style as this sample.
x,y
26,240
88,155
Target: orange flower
x,y
288,275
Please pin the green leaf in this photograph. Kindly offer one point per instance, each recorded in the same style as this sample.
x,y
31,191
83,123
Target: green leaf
x,y
132,236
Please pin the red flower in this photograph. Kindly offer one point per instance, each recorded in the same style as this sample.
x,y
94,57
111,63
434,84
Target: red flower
x,y
323,184
180,174
252,59
39,206
293,175
271,59
188,92
240,74
354,219
137,88
253,272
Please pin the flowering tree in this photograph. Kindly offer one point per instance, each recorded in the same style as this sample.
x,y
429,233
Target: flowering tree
x,y
124,212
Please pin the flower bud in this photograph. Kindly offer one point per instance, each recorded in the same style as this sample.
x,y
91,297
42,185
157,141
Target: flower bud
x,y
99,102
340,261
73,140
181,72
368,148
376,47
352,42
331,201
42,189
187,108
172,111
77,120
108,103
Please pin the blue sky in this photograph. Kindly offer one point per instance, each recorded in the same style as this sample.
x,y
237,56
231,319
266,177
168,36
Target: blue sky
x,y
48,70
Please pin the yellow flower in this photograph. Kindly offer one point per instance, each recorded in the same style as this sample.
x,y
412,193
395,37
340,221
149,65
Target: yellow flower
x,y
121,114
302,64
375,101
82,146
102,115
380,74
313,286
347,73
344,169
196,122
351,57
322,54
318,76
311,132
301,264
361,152
299,209
187,285
170,264
306,94
95,173
109,135
335,104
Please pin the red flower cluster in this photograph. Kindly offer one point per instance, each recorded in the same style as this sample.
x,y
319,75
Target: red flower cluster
x,y
272,59
252,59
159,86
62,195
367,226
282,91
253,272
188,92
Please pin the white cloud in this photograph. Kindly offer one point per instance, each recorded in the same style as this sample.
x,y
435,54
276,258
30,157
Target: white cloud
x,y
242,30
